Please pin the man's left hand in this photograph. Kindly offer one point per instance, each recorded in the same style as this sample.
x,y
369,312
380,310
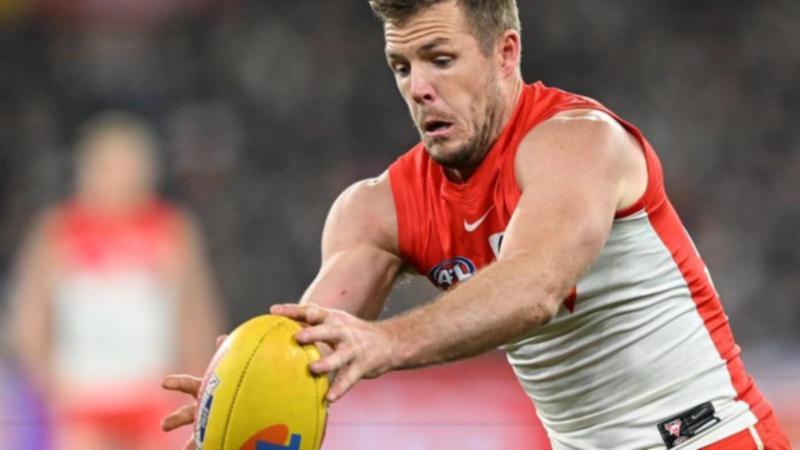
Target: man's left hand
x,y
361,349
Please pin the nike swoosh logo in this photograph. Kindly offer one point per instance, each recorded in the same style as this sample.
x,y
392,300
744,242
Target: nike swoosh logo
x,y
470,227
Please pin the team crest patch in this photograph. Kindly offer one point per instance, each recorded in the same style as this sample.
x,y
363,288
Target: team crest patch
x,y
674,427
496,242
451,271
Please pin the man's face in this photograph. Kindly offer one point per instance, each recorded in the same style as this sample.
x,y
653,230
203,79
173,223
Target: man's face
x,y
115,173
451,87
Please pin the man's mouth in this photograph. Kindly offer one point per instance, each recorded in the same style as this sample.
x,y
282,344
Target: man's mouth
x,y
436,128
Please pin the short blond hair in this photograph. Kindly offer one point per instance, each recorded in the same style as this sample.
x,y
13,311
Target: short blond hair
x,y
488,19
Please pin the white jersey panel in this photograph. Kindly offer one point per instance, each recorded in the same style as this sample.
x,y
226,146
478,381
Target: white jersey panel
x,y
592,385
114,326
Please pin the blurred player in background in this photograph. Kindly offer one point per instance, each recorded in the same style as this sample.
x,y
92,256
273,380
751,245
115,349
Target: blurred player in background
x,y
112,290
544,217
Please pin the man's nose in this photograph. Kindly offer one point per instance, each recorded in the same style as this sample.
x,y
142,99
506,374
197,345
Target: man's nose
x,y
422,90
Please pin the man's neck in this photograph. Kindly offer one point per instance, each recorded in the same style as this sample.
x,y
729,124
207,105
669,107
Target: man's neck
x,y
511,93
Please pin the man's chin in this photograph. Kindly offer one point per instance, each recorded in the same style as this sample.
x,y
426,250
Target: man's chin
x,y
448,157
442,145
437,151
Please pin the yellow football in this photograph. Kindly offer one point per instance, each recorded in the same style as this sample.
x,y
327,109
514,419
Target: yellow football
x,y
258,392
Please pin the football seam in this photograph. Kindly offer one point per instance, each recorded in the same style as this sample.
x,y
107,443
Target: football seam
x,y
241,380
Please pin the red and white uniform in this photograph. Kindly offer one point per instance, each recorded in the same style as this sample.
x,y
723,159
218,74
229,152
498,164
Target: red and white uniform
x,y
643,338
115,315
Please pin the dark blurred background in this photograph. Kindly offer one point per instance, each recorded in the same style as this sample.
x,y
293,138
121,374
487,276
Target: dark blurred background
x,y
268,109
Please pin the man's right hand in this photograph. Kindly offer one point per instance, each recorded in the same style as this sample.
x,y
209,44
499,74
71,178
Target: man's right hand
x,y
184,415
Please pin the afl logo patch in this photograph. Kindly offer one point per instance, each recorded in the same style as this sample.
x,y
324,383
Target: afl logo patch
x,y
273,438
451,271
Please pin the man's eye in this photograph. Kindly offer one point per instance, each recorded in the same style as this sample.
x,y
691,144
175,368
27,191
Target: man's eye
x,y
401,69
442,61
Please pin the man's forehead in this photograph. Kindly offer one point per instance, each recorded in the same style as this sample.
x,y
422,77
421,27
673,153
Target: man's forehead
x,y
421,46
423,39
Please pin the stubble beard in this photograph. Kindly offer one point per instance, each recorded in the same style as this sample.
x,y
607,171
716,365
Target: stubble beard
x,y
470,154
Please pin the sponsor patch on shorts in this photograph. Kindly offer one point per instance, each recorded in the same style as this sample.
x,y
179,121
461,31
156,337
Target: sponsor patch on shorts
x,y
679,429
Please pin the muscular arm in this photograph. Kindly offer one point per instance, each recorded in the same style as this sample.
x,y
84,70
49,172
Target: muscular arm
x,y
359,251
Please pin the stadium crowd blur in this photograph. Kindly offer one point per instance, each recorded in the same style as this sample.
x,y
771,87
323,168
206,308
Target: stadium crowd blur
x,y
268,109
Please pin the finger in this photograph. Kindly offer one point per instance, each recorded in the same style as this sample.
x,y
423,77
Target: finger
x,y
180,417
309,313
334,361
319,333
189,445
289,310
315,315
344,381
220,339
182,383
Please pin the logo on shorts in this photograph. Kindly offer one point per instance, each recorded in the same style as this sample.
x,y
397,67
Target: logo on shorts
x,y
451,271
273,438
206,400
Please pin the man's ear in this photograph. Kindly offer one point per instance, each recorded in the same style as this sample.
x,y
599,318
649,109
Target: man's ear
x,y
509,52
